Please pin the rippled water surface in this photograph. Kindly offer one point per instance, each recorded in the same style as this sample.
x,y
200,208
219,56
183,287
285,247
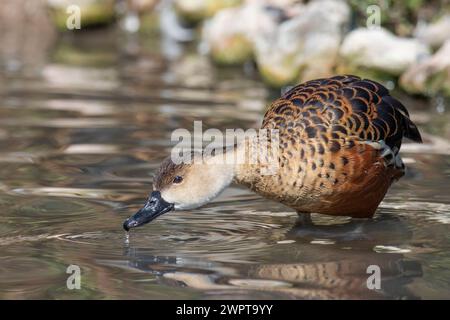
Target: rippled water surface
x,y
80,137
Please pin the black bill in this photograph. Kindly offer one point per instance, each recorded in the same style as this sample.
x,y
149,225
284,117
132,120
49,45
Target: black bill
x,y
153,208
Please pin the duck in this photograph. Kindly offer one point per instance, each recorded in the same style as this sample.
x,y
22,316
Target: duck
x,y
338,143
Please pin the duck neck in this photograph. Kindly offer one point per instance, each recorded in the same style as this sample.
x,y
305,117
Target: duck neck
x,y
247,161
240,163
220,166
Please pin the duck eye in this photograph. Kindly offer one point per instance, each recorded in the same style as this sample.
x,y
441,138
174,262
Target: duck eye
x,y
177,179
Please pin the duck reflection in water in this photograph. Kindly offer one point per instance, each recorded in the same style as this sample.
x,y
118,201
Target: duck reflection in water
x,y
308,269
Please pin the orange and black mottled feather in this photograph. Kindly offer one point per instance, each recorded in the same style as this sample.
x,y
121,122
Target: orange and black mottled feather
x,y
339,143
343,106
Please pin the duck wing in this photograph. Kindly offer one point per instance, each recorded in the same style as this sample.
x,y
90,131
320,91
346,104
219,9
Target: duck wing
x,y
342,107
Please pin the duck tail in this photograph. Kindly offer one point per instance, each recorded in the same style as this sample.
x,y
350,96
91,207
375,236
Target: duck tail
x,y
411,131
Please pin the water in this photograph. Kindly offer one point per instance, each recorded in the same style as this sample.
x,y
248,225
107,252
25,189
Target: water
x,y
79,141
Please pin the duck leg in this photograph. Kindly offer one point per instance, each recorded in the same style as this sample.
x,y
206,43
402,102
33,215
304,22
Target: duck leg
x,y
304,218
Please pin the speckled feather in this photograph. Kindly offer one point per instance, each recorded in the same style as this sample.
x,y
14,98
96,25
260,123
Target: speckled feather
x,y
331,131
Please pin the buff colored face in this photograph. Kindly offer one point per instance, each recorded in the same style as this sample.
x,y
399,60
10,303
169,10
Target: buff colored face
x,y
181,187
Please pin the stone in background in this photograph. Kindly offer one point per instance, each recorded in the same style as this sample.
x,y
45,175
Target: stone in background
x,y
431,76
305,46
26,36
379,51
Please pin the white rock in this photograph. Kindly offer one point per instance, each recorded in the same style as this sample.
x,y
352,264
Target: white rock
x,y
434,34
309,43
197,10
381,50
191,5
429,76
290,7
231,32
249,20
278,3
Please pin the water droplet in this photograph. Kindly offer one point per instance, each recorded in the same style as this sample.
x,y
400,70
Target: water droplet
x,y
127,238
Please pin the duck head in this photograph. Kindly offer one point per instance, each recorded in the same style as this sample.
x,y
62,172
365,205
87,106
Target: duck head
x,y
182,187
